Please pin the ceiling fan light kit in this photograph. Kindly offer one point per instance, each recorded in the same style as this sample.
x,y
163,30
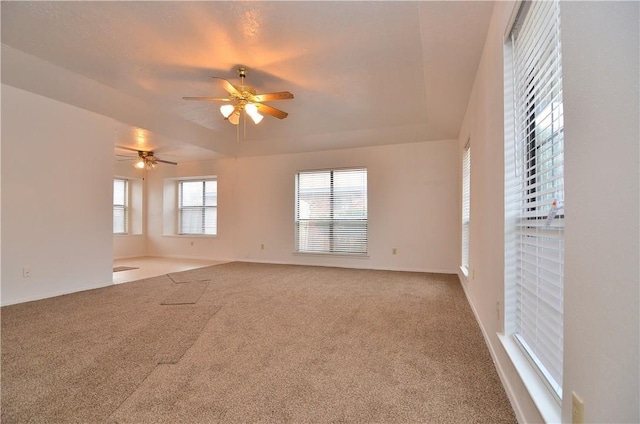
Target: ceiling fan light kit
x,y
141,164
252,111
144,164
227,110
246,100
145,159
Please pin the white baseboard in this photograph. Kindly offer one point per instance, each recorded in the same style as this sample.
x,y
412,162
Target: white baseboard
x,y
376,268
54,294
196,258
513,399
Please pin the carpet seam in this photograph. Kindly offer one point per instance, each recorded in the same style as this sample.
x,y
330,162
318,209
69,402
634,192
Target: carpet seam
x,y
157,365
294,344
169,302
193,342
135,389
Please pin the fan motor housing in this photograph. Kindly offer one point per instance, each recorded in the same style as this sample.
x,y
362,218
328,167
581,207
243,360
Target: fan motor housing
x,y
245,90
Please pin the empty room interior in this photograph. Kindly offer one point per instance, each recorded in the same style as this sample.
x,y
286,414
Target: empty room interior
x,y
421,211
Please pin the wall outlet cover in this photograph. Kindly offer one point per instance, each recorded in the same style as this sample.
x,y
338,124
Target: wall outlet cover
x,y
577,409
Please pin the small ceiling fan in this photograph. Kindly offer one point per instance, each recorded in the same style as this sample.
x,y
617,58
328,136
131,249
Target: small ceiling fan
x,y
244,98
145,159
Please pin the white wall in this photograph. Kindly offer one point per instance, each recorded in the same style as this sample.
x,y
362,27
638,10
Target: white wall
x,y
602,131
413,207
56,197
484,126
162,242
600,68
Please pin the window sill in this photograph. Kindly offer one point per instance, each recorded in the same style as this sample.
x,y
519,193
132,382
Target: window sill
x,y
329,254
546,403
212,236
127,235
464,273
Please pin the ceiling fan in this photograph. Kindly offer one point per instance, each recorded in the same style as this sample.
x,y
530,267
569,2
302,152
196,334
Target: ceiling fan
x,y
244,98
145,159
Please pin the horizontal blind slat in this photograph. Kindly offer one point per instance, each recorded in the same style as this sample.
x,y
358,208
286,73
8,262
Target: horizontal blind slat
x,y
197,207
331,211
538,182
466,203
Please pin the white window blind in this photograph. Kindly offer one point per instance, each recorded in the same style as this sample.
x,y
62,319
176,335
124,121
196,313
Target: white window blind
x,y
538,186
466,204
120,204
198,207
331,211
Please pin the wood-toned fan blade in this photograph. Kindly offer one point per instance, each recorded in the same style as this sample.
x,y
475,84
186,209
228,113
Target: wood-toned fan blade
x,y
166,161
269,110
208,99
227,86
269,97
128,148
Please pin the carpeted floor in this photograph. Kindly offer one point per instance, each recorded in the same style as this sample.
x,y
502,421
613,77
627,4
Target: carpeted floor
x,y
252,343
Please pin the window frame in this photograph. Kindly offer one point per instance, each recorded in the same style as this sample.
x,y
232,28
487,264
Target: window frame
x,y
332,221
203,208
466,207
124,207
534,226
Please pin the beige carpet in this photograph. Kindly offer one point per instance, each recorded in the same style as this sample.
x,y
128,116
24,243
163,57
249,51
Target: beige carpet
x,y
262,343
187,293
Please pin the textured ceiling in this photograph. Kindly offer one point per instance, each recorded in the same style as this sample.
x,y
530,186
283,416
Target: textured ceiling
x,y
363,73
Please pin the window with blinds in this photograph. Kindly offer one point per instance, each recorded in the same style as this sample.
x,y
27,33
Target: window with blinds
x,y
466,205
120,205
331,211
535,191
198,207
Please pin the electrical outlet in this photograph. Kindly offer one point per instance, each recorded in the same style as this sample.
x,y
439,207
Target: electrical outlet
x,y
26,272
394,251
577,409
191,243
262,246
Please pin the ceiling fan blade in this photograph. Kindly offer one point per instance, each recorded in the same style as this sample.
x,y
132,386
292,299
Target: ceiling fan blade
x,y
269,110
208,99
282,95
228,86
165,161
128,148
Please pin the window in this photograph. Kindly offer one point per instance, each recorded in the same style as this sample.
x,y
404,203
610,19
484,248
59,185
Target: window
x,y
535,191
198,207
466,205
331,211
120,206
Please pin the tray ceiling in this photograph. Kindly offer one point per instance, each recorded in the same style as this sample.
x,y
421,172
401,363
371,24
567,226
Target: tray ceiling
x,y
363,73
